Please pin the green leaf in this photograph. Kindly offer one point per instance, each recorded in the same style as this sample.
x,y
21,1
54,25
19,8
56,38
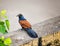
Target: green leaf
x,y
3,13
7,41
2,41
2,29
2,44
2,37
1,23
7,24
4,16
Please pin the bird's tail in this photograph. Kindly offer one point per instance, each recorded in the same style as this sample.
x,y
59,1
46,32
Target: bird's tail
x,y
31,33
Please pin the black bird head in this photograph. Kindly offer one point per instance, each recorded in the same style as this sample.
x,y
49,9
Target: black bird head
x,y
21,17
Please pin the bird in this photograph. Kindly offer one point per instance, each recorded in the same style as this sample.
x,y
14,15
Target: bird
x,y
26,26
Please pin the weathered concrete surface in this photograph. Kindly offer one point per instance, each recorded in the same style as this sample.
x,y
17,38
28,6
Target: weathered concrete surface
x,y
42,29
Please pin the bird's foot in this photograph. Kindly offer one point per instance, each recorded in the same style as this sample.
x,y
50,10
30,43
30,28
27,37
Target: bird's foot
x,y
22,29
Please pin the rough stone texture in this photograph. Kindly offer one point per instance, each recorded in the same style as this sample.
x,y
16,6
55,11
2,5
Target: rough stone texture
x,y
42,29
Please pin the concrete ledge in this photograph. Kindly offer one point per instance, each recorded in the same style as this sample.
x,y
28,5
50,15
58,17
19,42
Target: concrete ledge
x,y
42,29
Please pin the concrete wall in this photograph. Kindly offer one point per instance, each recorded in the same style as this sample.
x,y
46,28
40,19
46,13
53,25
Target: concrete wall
x,y
34,10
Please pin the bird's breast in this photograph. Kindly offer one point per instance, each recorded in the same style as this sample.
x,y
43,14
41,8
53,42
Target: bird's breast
x,y
25,24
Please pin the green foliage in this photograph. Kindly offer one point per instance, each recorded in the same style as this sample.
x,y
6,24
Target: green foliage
x,y
3,13
1,23
7,24
5,42
2,29
2,38
4,25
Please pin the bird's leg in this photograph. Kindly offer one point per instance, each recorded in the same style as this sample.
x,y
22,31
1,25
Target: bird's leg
x,y
22,28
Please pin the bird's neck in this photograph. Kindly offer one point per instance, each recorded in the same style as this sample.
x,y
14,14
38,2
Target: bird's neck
x,y
22,18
